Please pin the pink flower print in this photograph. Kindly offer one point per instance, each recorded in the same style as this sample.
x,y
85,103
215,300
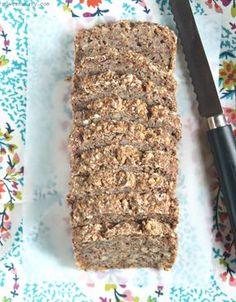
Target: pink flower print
x,y
223,276
1,29
218,8
231,115
2,230
122,285
15,185
14,271
16,286
226,2
142,3
3,151
7,224
2,185
223,216
129,296
209,3
5,235
87,15
10,170
16,159
232,281
6,43
219,236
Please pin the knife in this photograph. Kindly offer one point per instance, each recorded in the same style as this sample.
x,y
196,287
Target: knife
x,y
220,134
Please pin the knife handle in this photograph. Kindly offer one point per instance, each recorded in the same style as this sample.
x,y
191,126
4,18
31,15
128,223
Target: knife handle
x,y
223,146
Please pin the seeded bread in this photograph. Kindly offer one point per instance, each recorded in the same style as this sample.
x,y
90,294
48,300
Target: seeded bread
x,y
111,181
104,133
114,108
147,243
124,62
129,158
115,208
123,147
126,87
156,42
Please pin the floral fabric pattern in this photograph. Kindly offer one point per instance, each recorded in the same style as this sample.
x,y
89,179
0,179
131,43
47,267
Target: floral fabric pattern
x,y
228,74
11,180
5,47
13,100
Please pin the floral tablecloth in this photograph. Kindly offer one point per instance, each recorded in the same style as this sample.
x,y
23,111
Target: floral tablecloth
x,y
14,38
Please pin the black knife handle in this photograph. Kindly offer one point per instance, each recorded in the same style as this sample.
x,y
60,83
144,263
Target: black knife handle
x,y
223,146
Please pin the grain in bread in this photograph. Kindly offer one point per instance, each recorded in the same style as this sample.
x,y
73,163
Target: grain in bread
x,y
127,157
147,243
116,180
124,62
123,147
156,42
104,133
125,86
114,108
115,208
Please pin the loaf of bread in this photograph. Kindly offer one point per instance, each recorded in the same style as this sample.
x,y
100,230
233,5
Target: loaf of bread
x,y
123,147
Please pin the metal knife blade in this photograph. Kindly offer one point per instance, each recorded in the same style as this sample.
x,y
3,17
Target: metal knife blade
x,y
220,134
209,104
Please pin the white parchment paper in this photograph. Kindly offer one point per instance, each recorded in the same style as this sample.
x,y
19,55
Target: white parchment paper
x,y
47,242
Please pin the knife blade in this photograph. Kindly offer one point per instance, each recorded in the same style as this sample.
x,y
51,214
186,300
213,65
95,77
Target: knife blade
x,y
209,104
220,134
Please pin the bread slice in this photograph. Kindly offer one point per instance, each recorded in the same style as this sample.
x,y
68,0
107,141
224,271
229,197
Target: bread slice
x,y
114,108
126,87
124,62
156,42
121,207
104,133
147,243
120,180
129,158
